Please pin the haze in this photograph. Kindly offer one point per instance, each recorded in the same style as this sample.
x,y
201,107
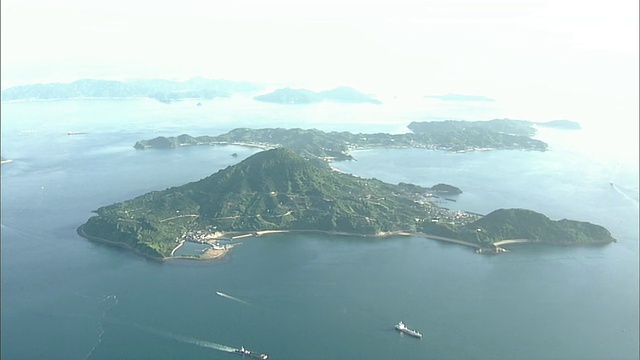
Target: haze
x,y
543,60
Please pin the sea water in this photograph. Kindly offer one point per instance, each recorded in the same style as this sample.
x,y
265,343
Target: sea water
x,y
303,296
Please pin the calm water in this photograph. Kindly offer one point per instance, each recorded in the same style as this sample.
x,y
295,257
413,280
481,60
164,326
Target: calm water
x,y
295,296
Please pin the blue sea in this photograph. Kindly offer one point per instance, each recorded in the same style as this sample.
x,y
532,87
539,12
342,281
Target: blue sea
x,y
307,296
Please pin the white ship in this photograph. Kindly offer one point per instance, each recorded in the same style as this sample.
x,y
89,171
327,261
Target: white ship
x,y
403,328
244,352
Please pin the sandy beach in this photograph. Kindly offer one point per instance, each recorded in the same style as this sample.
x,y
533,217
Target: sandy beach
x,y
212,253
217,253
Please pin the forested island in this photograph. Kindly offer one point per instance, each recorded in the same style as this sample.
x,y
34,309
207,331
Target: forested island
x,y
289,96
279,190
162,90
456,136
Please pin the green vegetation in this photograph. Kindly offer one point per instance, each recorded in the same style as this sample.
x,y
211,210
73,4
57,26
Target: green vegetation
x,y
444,135
304,96
280,190
504,224
495,126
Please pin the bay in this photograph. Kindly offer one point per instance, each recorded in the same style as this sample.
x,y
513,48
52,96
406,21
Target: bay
x,y
302,296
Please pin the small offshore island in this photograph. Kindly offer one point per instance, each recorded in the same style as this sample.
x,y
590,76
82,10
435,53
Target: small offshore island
x,y
278,190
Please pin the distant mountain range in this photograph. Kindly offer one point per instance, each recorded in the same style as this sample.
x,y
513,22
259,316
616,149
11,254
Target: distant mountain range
x,y
167,91
161,90
280,190
303,96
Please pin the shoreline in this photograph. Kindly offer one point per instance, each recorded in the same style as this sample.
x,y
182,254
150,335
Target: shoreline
x,y
81,233
209,254
216,253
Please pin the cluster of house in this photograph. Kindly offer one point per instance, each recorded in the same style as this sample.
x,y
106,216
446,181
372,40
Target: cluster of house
x,y
203,237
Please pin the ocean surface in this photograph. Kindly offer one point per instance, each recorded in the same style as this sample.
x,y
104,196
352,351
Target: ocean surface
x,y
306,296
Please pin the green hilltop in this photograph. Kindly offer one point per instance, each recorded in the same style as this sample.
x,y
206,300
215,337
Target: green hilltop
x,y
510,224
280,190
455,136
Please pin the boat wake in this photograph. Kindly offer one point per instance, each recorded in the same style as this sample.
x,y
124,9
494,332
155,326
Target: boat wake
x,y
111,301
626,193
201,343
231,298
182,338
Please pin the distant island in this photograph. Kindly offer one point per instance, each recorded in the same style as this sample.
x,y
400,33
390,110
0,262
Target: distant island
x,y
278,190
162,90
460,97
560,124
303,96
455,136
499,126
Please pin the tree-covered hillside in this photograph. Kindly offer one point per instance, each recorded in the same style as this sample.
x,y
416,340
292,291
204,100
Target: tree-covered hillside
x,y
448,136
279,190
504,224
274,189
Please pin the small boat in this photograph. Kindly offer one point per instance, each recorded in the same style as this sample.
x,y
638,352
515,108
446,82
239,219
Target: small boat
x,y
404,329
244,352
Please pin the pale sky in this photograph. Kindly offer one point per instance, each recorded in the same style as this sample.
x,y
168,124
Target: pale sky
x,y
550,54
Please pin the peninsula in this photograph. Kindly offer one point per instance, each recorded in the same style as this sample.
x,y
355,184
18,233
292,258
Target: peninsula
x,y
454,136
278,190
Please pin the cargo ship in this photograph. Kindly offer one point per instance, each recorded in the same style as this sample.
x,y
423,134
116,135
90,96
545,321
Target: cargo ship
x,y
404,329
244,352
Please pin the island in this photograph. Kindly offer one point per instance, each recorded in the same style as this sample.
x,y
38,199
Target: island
x,y
303,96
278,190
162,90
500,126
453,136
560,124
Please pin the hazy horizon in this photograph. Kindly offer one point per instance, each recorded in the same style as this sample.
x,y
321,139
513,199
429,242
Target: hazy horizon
x,y
540,60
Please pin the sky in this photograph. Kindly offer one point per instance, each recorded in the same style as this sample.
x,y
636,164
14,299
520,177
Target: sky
x,y
550,59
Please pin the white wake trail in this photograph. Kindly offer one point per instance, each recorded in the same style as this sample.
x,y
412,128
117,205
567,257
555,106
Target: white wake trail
x,y
178,337
113,301
625,193
231,297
